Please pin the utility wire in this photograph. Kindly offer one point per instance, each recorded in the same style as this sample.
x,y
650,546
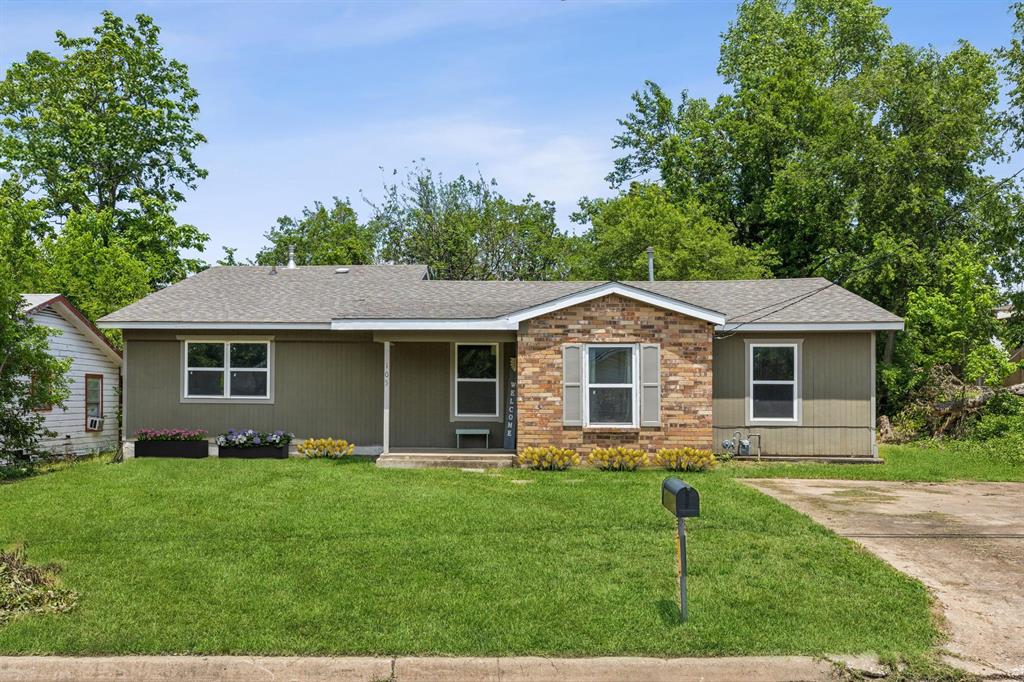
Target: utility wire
x,y
773,308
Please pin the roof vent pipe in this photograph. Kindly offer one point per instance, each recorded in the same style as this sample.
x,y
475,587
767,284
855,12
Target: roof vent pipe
x,y
291,257
650,263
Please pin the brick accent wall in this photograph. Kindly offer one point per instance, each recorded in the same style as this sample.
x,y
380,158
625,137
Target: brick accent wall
x,y
685,374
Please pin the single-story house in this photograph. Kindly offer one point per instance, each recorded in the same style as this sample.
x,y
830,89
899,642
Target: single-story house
x,y
88,421
392,360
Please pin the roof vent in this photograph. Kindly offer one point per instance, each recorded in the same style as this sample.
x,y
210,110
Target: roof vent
x,y
291,257
340,271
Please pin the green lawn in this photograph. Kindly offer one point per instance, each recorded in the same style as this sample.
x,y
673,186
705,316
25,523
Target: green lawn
x,y
295,556
960,461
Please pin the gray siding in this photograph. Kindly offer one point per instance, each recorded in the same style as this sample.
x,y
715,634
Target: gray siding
x,y
837,388
326,384
421,396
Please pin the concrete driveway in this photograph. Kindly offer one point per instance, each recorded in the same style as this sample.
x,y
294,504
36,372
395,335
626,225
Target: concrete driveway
x,y
965,541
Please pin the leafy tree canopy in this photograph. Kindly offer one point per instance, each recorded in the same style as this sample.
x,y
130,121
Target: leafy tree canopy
x,y
837,148
96,277
951,327
323,235
688,244
107,124
465,229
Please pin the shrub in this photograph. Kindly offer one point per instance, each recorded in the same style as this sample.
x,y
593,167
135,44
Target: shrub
x,y
249,438
170,434
549,458
330,448
25,588
617,459
685,459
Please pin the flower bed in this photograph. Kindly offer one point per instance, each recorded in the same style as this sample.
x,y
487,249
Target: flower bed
x,y
190,444
251,444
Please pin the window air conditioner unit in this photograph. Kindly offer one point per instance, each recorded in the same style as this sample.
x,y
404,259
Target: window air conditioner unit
x,y
94,423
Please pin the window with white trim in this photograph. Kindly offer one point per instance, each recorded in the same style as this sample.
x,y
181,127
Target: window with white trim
x,y
610,385
476,381
227,369
773,371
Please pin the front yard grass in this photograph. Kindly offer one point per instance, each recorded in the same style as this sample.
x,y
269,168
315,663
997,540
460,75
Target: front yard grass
x,y
319,557
938,462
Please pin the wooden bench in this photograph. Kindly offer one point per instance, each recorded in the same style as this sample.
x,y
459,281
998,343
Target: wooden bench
x,y
459,433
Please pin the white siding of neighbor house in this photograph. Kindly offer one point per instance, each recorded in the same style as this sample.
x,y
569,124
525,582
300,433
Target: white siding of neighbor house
x,y
86,358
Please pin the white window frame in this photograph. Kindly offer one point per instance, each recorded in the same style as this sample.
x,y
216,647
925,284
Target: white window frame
x,y
456,415
794,382
634,349
226,371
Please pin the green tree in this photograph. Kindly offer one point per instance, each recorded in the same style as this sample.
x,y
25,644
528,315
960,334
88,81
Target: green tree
x,y
21,225
108,124
465,229
837,148
951,327
98,277
30,377
688,244
1012,60
321,236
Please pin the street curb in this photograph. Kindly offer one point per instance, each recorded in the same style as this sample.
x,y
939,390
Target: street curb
x,y
412,669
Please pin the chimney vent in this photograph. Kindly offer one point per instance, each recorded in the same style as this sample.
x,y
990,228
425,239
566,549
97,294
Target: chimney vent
x,y
291,257
650,263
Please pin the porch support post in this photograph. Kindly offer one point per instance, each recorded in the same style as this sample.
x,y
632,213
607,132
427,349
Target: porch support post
x,y
387,396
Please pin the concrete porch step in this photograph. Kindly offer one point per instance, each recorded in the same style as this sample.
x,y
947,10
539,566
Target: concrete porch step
x,y
435,460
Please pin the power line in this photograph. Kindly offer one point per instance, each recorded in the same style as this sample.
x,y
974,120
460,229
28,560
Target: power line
x,y
772,307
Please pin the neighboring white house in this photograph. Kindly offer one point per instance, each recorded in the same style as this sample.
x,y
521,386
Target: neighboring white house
x,y
88,421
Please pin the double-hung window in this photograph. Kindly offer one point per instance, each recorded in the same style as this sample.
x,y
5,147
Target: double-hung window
x,y
476,381
227,369
773,368
610,379
93,398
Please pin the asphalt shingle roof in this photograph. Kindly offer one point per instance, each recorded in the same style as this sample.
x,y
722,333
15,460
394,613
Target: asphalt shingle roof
x,y
317,294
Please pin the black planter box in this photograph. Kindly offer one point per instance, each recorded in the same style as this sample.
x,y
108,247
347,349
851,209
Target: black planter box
x,y
189,449
260,452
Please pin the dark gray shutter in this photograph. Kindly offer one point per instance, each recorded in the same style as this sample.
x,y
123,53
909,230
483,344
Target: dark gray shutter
x,y
650,384
572,385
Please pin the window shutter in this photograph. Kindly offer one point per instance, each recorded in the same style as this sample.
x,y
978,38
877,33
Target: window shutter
x,y
572,385
650,384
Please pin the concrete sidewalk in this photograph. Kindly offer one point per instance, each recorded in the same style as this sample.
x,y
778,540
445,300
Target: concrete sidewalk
x,y
412,669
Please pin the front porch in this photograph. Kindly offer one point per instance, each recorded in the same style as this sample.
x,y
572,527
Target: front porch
x,y
448,399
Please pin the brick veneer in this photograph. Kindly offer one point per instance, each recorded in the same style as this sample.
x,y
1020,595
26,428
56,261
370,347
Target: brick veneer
x,y
685,374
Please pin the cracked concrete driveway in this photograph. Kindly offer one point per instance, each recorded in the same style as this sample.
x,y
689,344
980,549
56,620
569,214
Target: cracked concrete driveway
x,y
964,540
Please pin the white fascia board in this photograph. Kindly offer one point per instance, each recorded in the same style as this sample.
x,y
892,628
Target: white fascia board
x,y
626,291
810,327
492,324
256,326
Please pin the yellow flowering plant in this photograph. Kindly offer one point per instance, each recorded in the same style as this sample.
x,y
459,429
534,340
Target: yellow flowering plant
x,y
617,459
330,448
685,459
549,458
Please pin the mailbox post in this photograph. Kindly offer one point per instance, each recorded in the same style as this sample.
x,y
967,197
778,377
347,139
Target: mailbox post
x,y
682,500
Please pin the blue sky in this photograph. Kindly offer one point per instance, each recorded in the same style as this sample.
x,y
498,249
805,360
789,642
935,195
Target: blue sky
x,y
302,101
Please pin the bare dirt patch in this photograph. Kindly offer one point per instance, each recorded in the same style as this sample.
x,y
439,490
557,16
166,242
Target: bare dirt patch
x,y
965,541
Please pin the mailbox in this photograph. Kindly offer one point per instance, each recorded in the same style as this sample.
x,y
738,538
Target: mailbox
x,y
680,498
